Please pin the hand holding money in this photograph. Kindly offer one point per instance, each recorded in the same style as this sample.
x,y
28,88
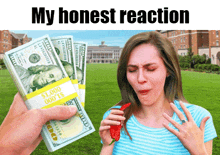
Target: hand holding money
x,y
43,82
20,130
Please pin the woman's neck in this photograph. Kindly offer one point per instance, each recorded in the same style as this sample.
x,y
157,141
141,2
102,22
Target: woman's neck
x,y
151,115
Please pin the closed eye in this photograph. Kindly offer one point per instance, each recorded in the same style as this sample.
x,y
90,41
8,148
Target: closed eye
x,y
132,69
151,69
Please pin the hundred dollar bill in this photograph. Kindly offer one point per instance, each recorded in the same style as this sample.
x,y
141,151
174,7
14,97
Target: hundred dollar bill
x,y
80,49
43,83
65,50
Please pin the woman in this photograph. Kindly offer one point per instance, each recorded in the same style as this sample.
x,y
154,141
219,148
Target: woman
x,y
159,120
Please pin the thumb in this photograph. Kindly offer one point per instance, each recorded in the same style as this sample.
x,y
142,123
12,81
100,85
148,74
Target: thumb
x,y
202,124
58,113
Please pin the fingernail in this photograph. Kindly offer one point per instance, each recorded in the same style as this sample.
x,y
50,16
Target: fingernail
x,y
164,114
72,108
172,104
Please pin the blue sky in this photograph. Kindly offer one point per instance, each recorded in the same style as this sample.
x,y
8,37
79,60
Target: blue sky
x,y
92,37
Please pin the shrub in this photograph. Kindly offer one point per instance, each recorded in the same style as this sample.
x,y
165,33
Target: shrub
x,y
208,71
186,65
208,61
206,66
199,66
2,64
203,66
215,68
184,68
196,66
209,66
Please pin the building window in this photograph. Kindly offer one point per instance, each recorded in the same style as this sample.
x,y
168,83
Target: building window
x,y
181,39
184,39
217,43
216,33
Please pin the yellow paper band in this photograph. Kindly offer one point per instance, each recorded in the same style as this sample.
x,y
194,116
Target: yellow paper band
x,y
82,86
83,104
65,99
46,88
74,81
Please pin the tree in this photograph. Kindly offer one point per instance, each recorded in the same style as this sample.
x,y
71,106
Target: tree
x,y
208,61
189,56
2,64
203,59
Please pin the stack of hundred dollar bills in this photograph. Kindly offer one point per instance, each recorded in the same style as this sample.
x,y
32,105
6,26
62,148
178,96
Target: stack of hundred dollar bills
x,y
49,72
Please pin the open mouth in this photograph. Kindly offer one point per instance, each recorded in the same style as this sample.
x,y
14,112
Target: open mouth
x,y
143,92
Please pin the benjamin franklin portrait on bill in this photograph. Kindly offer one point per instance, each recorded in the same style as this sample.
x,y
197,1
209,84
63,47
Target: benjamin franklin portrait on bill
x,y
37,77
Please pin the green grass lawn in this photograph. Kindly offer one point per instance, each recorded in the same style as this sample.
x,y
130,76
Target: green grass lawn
x,y
102,92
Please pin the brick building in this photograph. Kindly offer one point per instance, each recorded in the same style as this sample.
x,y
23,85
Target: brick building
x,y
200,41
103,53
184,39
5,42
10,40
214,46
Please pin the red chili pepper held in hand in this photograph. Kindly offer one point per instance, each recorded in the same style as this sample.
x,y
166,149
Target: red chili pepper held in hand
x,y
115,129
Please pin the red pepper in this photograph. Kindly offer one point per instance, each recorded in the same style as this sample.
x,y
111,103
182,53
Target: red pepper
x,y
115,129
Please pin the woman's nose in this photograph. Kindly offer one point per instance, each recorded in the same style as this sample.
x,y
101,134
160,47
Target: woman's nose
x,y
141,77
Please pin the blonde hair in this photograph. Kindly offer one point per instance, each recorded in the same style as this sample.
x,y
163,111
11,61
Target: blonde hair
x,y
173,84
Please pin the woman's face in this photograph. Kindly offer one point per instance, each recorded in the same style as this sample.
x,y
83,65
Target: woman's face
x,y
146,73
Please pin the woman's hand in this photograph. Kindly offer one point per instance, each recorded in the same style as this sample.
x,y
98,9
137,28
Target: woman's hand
x,y
114,118
20,130
191,136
